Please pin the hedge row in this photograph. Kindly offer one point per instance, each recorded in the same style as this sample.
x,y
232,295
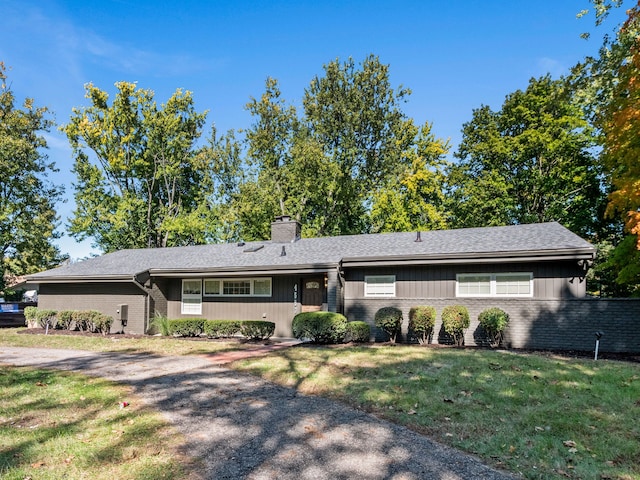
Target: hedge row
x,y
83,320
328,327
195,327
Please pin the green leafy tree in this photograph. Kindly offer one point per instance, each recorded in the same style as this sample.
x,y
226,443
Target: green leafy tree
x,y
529,162
28,220
141,182
353,115
415,199
607,86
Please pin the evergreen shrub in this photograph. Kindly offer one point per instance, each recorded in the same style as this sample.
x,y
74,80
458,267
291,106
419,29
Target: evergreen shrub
x,y
64,318
455,320
320,327
421,322
358,332
494,321
389,319
257,329
221,328
186,327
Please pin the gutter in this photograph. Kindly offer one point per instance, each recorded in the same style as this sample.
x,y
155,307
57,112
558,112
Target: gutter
x,y
472,257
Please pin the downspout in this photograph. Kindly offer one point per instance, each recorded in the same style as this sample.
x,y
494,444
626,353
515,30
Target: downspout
x,y
146,291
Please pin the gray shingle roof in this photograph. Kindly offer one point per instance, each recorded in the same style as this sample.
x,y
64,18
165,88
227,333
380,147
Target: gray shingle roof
x,y
325,252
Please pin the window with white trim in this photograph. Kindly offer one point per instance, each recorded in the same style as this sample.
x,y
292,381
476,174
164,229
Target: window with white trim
x,y
237,287
191,297
494,284
380,286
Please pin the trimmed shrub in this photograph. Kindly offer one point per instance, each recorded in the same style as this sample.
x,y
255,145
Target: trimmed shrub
x,y
186,327
389,319
494,321
257,329
319,327
358,332
99,322
46,317
30,319
455,320
64,319
80,320
421,321
221,328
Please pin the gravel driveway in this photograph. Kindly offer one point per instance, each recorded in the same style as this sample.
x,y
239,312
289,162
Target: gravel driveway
x,y
246,428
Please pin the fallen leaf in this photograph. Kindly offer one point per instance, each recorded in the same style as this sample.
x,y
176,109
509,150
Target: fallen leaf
x,y
38,465
512,449
447,400
569,443
539,429
40,384
573,450
411,412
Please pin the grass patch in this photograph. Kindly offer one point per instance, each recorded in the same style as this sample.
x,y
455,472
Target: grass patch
x,y
115,343
539,415
64,425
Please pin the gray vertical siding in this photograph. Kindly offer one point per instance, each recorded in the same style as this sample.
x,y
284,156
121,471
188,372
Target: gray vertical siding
x,y
280,308
104,297
551,279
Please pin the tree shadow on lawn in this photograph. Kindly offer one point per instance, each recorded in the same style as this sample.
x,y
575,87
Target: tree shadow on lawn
x,y
244,427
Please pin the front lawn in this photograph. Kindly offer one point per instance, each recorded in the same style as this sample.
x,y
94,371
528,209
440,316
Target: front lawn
x,y
543,416
539,415
62,425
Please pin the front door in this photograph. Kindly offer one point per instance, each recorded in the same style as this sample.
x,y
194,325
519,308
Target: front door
x,y
312,294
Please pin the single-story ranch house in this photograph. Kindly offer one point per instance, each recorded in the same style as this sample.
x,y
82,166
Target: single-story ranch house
x,y
534,272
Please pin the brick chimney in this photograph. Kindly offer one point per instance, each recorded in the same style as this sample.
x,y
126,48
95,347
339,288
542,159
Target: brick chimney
x,y
285,230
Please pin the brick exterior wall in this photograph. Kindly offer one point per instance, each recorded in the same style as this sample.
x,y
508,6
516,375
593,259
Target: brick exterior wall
x,y
562,324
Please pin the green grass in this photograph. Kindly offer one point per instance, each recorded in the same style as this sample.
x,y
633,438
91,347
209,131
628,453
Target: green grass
x,y
539,415
62,425
114,343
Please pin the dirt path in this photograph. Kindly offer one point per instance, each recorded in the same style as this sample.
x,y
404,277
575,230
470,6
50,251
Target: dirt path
x,y
245,428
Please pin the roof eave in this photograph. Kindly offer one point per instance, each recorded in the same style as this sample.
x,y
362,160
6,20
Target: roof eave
x,y
234,271
79,278
587,253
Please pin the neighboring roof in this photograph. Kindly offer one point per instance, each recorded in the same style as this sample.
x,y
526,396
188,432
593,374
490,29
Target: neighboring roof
x,y
543,241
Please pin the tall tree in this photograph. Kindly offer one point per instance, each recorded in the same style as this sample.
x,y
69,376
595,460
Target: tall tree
x,y
529,162
415,199
141,181
353,114
28,220
620,123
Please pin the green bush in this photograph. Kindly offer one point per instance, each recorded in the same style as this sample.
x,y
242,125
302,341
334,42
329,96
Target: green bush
x,y
494,321
64,319
46,317
80,320
221,328
319,327
359,332
186,327
30,319
389,319
257,329
421,321
99,322
90,321
455,320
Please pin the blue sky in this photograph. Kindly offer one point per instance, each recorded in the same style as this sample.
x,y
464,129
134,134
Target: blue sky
x,y
453,55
